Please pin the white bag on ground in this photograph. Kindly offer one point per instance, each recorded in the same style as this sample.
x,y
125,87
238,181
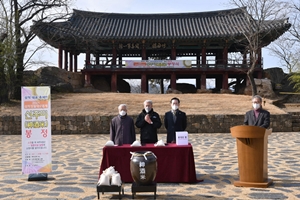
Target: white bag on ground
x,y
104,180
116,179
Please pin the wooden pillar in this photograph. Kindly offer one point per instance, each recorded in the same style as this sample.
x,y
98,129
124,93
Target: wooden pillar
x,y
143,83
144,53
66,60
198,59
225,55
75,62
162,86
260,74
97,59
244,58
198,82
203,81
225,81
71,61
173,51
120,60
113,84
114,56
219,57
147,85
88,57
173,81
60,52
219,82
203,56
259,63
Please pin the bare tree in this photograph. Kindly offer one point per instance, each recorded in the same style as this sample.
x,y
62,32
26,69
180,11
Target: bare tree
x,y
20,13
3,84
259,13
286,50
287,47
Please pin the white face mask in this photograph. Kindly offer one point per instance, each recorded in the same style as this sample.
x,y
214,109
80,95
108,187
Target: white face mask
x,y
122,112
147,109
256,106
174,107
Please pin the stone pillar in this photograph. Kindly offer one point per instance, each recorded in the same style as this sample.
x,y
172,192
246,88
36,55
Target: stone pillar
x,y
60,52
113,84
87,78
143,83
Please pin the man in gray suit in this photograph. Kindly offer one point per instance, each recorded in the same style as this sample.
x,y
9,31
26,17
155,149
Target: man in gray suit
x,y
257,116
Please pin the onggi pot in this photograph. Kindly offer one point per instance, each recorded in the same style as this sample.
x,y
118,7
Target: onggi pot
x,y
143,167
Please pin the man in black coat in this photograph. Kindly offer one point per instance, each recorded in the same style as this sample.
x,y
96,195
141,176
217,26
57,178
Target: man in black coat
x,y
148,121
257,116
175,120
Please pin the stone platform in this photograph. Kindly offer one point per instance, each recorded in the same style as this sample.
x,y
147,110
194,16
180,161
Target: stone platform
x,y
76,160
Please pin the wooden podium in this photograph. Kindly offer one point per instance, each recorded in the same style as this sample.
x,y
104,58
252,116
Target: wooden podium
x,y
252,150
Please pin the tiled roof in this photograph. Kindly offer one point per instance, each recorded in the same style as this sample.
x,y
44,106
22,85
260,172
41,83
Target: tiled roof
x,y
84,25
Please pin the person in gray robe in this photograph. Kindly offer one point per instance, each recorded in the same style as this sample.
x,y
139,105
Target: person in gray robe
x,y
122,129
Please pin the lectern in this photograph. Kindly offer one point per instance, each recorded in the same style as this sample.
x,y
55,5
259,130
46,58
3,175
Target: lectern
x,y
252,151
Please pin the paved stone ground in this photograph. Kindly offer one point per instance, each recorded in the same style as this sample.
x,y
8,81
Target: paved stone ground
x,y
76,160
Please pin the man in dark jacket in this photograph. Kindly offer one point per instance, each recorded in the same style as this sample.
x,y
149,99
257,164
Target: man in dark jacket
x,y
148,121
257,116
175,120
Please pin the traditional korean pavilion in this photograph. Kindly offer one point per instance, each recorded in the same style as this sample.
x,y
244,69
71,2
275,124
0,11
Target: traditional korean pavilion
x,y
204,39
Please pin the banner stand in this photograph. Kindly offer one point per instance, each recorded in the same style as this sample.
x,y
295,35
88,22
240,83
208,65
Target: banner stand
x,y
38,177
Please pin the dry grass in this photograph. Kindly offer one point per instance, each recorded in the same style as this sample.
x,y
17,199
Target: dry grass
x,y
73,104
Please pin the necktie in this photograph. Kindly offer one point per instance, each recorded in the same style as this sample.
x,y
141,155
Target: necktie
x,y
174,116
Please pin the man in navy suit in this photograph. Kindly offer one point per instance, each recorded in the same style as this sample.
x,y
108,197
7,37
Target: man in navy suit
x,y
175,120
257,116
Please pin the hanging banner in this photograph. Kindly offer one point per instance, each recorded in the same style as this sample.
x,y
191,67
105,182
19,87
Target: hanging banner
x,y
158,64
36,130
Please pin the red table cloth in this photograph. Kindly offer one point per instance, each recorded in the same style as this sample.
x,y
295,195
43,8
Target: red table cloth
x,y
175,164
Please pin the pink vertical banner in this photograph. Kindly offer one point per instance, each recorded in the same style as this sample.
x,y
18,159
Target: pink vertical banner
x,y
36,130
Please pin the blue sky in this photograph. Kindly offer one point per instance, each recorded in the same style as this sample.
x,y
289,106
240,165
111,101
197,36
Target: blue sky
x,y
148,6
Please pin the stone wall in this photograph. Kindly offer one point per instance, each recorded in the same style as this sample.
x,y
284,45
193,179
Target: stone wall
x,y
296,121
96,124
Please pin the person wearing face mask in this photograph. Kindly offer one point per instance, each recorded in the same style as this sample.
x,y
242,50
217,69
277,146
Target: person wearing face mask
x,y
175,120
257,116
122,129
148,121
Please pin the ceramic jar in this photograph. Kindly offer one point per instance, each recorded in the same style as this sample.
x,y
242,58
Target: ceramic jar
x,y
143,167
